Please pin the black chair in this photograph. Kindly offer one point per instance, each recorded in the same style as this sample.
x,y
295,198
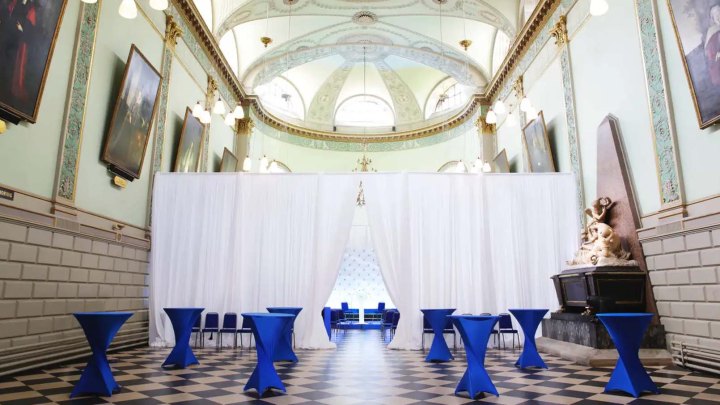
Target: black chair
x,y
245,328
211,325
447,330
229,325
396,319
505,326
196,329
494,332
386,321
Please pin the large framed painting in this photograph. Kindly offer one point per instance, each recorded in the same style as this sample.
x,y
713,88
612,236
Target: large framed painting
x,y
28,32
190,145
130,126
229,162
501,163
697,28
537,146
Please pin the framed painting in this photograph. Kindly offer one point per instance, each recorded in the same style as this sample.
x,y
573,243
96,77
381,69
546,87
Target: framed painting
x,y
229,162
129,132
28,32
500,162
537,146
190,145
697,29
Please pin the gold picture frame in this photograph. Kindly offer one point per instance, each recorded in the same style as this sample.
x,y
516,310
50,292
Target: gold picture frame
x,y
131,122
229,162
537,146
501,163
699,21
31,42
187,158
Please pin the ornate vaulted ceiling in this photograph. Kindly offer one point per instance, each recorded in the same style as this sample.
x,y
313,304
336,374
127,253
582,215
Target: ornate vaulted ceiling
x,y
398,54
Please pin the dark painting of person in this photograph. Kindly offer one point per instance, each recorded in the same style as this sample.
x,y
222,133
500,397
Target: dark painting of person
x,y
28,30
191,135
697,26
129,132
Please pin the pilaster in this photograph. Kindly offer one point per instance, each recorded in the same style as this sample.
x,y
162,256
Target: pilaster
x,y
209,102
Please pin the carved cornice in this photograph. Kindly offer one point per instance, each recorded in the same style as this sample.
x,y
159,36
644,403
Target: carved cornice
x,y
172,31
532,28
559,31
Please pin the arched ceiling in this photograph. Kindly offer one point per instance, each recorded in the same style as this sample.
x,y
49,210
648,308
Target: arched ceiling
x,y
332,50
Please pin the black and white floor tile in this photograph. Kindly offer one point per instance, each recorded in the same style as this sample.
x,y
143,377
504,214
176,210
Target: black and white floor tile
x,y
360,371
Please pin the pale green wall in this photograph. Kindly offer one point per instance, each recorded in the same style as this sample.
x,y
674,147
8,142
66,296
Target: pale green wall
x,y
699,149
510,139
28,152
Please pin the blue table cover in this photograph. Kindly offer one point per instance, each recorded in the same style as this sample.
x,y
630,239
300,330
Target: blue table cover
x,y
284,350
529,320
475,333
268,330
100,329
182,320
437,318
626,331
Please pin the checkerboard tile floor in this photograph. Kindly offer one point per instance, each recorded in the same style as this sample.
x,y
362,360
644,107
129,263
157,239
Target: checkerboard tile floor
x,y
360,371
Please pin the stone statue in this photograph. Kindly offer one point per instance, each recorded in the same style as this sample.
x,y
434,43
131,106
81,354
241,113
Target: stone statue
x,y
601,245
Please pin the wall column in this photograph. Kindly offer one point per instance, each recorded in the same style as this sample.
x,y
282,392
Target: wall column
x,y
209,102
664,137
559,32
69,159
488,139
242,135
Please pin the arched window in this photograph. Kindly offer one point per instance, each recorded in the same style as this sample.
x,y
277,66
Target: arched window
x,y
500,49
281,96
446,96
365,111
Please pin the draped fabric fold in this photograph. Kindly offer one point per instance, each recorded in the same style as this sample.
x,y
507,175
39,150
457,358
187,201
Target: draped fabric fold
x,y
243,242
478,243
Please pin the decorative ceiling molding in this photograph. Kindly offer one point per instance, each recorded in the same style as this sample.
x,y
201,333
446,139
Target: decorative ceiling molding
x,y
322,107
406,106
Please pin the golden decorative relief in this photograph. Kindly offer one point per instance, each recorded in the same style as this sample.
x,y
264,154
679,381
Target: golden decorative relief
x,y
559,31
484,127
3,126
519,88
266,41
465,43
211,86
172,31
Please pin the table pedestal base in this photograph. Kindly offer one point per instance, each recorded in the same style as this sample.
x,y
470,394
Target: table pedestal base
x,y
634,380
181,356
263,378
476,381
97,378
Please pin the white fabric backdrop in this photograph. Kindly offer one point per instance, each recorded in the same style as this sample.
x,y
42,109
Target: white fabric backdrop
x,y
242,242
478,243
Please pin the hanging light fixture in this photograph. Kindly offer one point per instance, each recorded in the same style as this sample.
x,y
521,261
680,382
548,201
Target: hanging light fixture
x,y
128,9
238,112
205,117
477,166
247,164
598,7
486,168
460,167
525,104
230,120
500,107
197,110
159,5
219,107
511,120
274,167
266,40
531,113
264,164
491,117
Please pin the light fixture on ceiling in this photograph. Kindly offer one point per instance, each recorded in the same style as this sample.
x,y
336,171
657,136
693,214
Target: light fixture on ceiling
x,y
274,167
128,9
500,107
598,7
266,40
264,164
477,166
219,107
465,43
159,5
247,164
230,120
238,112
486,168
205,117
197,109
460,167
525,104
491,117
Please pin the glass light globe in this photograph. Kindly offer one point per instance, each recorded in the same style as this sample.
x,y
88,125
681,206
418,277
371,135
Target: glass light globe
x,y
128,9
274,168
230,120
460,167
219,107
238,112
486,168
531,113
598,7
491,118
247,164
205,117
500,107
197,110
525,104
264,164
159,5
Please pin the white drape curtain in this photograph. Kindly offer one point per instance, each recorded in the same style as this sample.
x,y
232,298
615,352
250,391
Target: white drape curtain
x,y
478,243
242,242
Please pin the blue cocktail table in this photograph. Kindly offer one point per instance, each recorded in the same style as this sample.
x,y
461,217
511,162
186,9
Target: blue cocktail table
x,y
99,328
268,330
529,320
284,350
182,320
626,331
437,318
475,333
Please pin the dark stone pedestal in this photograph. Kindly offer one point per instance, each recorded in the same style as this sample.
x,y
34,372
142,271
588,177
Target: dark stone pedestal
x,y
589,331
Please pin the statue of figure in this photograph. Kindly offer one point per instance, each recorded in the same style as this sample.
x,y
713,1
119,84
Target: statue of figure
x,y
601,245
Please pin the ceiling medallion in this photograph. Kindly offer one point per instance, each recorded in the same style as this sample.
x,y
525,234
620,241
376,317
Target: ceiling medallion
x,y
365,18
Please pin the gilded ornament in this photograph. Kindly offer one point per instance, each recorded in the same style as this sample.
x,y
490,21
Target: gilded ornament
x,y
465,43
172,31
559,31
3,126
266,41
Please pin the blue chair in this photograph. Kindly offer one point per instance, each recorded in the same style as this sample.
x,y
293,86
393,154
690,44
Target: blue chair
x,y
212,320
345,307
448,330
229,325
396,319
196,329
386,322
245,328
505,326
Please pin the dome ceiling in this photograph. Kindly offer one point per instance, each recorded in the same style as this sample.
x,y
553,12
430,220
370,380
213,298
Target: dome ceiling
x,y
365,55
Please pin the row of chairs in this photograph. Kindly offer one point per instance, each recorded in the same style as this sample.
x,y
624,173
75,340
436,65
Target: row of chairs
x,y
390,319
504,327
229,326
